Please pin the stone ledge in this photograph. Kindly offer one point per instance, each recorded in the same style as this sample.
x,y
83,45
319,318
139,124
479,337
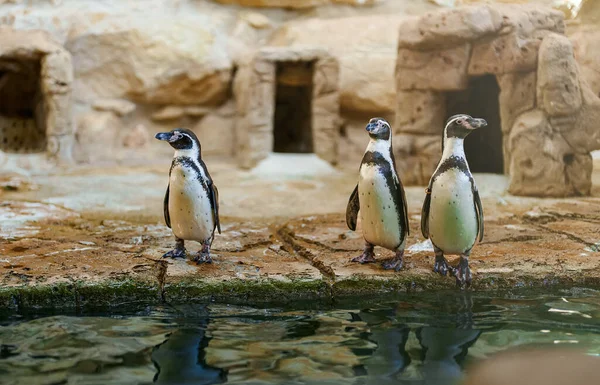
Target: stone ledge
x,y
119,293
72,262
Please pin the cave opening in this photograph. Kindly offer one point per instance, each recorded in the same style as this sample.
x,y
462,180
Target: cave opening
x,y
22,123
292,122
480,99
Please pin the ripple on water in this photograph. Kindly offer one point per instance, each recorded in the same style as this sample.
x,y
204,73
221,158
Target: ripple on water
x,y
413,339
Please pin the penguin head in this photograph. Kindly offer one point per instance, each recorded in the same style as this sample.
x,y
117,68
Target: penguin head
x,y
379,128
180,139
461,125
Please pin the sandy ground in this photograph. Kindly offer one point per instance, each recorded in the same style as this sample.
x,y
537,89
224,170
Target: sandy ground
x,y
284,237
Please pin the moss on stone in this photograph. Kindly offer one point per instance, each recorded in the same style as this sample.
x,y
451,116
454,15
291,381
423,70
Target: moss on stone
x,y
246,291
379,285
78,294
120,292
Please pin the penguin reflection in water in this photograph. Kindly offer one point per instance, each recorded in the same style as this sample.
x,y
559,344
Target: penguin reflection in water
x,y
379,198
191,205
452,215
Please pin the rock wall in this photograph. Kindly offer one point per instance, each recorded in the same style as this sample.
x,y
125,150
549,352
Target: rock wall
x,y
586,43
550,146
143,66
366,65
168,60
547,111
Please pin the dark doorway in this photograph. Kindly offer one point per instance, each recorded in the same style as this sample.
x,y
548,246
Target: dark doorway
x,y
483,147
292,125
21,110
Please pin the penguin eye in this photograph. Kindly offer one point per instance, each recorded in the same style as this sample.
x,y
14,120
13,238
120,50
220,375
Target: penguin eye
x,y
459,121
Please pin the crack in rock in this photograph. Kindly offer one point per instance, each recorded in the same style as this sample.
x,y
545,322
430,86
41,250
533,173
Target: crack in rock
x,y
288,237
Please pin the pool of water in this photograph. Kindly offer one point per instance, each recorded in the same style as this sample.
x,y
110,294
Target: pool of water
x,y
408,339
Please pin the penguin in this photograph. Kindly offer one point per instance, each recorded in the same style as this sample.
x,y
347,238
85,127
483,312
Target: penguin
x,y
379,198
191,204
452,214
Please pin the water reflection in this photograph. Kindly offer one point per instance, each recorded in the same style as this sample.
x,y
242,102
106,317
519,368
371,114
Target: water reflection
x,y
418,339
182,359
389,358
387,345
444,351
435,353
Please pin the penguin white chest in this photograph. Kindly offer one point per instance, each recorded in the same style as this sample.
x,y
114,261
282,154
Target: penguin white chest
x,y
452,216
189,206
378,212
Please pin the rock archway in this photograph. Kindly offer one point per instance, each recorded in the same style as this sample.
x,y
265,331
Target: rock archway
x,y
546,110
35,95
287,101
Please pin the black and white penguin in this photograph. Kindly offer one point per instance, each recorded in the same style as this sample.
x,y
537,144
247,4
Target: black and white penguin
x,y
191,205
452,215
380,199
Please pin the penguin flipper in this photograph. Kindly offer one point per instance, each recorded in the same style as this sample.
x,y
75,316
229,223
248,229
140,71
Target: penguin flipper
x,y
166,209
425,212
352,209
214,197
479,210
404,208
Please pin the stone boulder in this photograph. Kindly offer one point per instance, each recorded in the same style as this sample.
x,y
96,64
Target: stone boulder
x,y
166,60
543,163
558,91
550,146
449,27
573,108
586,42
366,49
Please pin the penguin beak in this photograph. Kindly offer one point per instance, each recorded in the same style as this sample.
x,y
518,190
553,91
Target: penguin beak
x,y
163,136
371,127
168,136
476,123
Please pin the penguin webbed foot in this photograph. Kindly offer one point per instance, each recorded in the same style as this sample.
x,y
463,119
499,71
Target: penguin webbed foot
x,y
395,263
463,273
175,253
367,256
178,251
441,266
203,255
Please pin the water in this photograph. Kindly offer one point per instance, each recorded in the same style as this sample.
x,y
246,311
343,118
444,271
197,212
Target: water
x,y
410,339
